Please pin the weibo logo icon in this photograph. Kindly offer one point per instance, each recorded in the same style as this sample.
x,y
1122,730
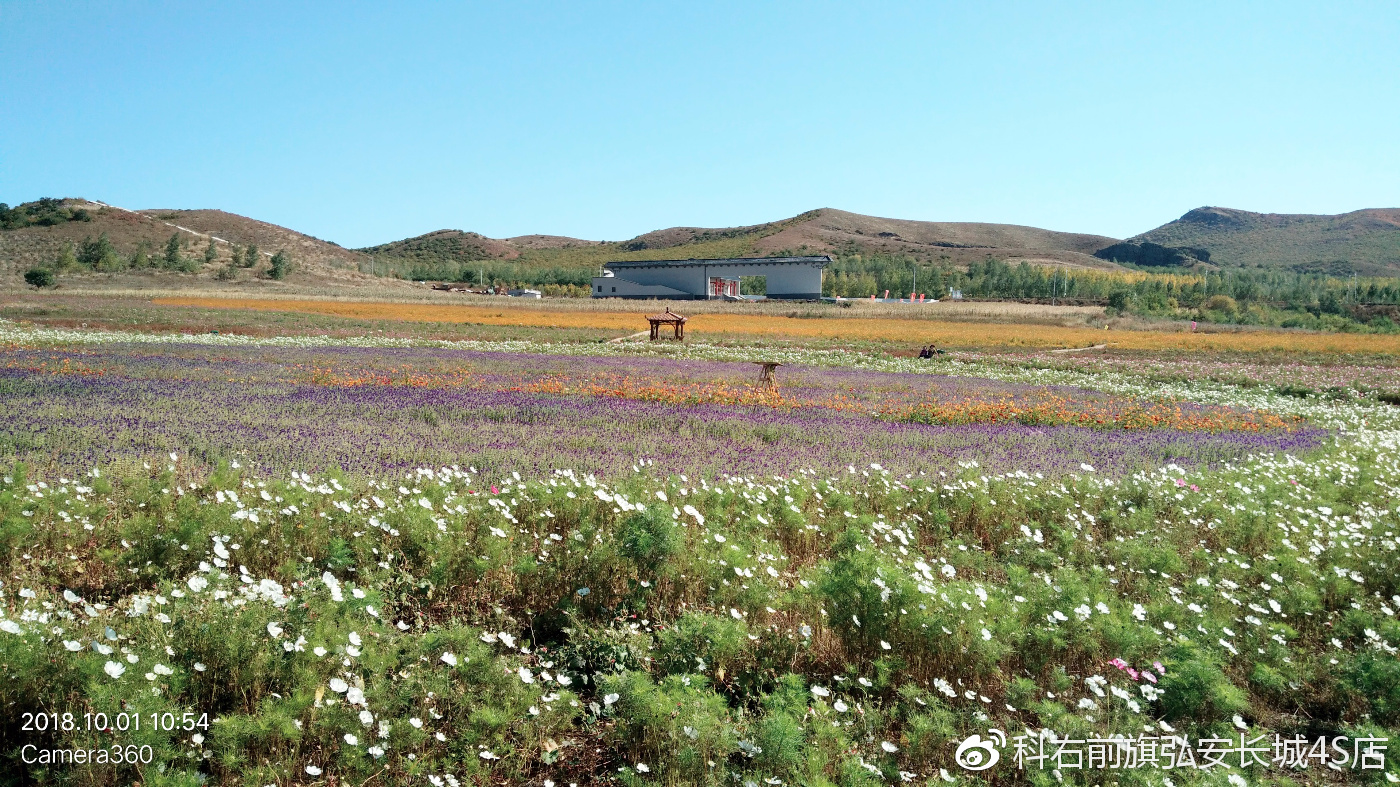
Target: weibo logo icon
x,y
978,753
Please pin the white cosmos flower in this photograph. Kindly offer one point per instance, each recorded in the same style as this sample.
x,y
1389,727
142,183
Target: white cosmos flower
x,y
889,747
334,585
611,698
197,583
339,686
161,669
114,668
354,638
10,626
351,739
841,707
486,755
273,629
416,722
199,666
884,645
818,691
72,645
71,597
642,768
525,675
312,770
449,658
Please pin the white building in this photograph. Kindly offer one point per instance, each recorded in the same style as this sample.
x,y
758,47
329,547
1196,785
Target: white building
x,y
796,278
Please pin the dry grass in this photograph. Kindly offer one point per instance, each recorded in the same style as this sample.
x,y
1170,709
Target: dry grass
x,y
860,325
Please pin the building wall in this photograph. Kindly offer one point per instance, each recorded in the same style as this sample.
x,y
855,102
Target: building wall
x,y
618,287
784,279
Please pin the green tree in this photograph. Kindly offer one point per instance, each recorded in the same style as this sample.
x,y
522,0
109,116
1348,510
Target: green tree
x,y
39,277
140,259
98,254
237,255
66,260
210,253
172,258
281,266
250,255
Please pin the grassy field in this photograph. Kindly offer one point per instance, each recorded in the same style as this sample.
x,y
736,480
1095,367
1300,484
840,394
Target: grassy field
x,y
831,323
358,543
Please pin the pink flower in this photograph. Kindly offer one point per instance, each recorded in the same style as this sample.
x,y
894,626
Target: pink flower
x,y
1160,669
1132,673
495,491
1195,488
1180,482
1149,676
1119,663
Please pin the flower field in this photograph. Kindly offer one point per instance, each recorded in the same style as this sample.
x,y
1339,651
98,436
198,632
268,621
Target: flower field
x,y
626,318
391,561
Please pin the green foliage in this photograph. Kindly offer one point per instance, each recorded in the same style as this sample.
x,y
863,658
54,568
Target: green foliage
x,y
99,254
648,538
172,259
66,261
46,212
1196,690
281,266
910,610
211,253
39,277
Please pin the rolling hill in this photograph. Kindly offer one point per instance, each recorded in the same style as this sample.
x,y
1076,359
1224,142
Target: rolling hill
x,y
1364,242
815,232
40,242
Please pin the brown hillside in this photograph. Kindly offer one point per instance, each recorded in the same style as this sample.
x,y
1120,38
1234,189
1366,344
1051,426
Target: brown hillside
x,y
829,229
129,230
549,242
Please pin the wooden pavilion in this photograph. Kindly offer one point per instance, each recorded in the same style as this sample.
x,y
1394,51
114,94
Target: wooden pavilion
x,y
676,321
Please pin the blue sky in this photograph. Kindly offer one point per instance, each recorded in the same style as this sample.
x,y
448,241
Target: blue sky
x,y
364,123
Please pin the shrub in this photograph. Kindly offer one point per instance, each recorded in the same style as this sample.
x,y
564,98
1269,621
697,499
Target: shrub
x,y
648,537
1196,690
39,277
281,266
1220,303
701,642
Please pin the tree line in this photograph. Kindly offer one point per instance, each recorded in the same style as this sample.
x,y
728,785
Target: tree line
x,y
100,255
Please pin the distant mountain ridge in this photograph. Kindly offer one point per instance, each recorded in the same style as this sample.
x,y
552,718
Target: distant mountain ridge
x,y
821,231
1365,242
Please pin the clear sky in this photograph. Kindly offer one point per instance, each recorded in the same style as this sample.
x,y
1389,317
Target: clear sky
x,y
365,123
